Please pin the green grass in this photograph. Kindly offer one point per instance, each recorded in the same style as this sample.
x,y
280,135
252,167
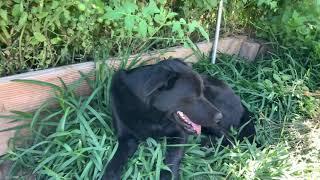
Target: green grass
x,y
76,139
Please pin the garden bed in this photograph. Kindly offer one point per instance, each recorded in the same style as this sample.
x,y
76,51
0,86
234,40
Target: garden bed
x,y
17,96
76,139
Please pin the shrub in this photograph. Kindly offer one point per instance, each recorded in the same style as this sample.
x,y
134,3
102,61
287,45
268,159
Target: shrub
x,y
294,25
36,35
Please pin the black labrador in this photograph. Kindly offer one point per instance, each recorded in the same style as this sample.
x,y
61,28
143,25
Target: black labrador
x,y
170,99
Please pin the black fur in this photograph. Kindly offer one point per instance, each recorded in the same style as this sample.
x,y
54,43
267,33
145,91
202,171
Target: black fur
x,y
144,102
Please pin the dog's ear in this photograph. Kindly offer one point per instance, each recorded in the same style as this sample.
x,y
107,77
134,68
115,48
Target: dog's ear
x,y
165,74
176,65
161,78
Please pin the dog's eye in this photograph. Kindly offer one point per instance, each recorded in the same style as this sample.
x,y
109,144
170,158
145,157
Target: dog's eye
x,y
169,84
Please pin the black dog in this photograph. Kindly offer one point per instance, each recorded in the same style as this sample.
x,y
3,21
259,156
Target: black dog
x,y
169,99
234,113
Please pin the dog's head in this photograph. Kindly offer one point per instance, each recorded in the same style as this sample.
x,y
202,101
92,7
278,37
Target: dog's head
x,y
172,87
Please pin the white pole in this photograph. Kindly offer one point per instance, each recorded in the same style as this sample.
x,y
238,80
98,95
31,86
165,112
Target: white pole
x,y
216,38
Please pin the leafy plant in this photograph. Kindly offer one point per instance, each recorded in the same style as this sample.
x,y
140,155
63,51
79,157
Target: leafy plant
x,y
37,35
294,25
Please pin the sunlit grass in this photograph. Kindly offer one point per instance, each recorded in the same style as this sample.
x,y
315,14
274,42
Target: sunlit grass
x,y
75,140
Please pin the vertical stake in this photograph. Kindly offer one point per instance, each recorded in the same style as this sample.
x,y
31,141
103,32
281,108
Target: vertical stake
x,y
216,38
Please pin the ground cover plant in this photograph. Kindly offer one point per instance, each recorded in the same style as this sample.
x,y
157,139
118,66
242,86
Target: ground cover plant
x,y
76,139
40,34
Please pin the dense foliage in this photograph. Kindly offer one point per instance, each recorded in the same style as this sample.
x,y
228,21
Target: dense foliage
x,y
295,26
36,34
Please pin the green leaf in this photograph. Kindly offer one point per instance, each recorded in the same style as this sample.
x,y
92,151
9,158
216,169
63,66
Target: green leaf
x,y
142,29
260,2
88,130
55,40
268,83
99,117
15,128
4,15
176,27
163,2
87,102
39,37
67,163
85,172
45,161
151,30
130,7
81,7
151,9
42,15
66,15
40,83
26,115
55,4
213,3
50,173
158,18
23,19
192,26
112,14
286,77
16,10
158,153
129,22
203,32
277,77
36,117
62,122
182,21
171,15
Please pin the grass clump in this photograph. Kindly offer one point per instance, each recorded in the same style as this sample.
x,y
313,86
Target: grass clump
x,y
75,140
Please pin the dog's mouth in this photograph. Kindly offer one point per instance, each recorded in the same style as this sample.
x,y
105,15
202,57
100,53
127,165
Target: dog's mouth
x,y
187,124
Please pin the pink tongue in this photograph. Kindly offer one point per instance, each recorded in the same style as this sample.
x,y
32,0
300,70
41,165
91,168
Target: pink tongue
x,y
195,126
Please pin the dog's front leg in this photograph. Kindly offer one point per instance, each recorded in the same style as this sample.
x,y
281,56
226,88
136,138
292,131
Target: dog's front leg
x,y
127,147
173,158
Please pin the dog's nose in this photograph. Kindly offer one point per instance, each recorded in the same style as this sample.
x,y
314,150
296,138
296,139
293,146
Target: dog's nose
x,y
218,117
